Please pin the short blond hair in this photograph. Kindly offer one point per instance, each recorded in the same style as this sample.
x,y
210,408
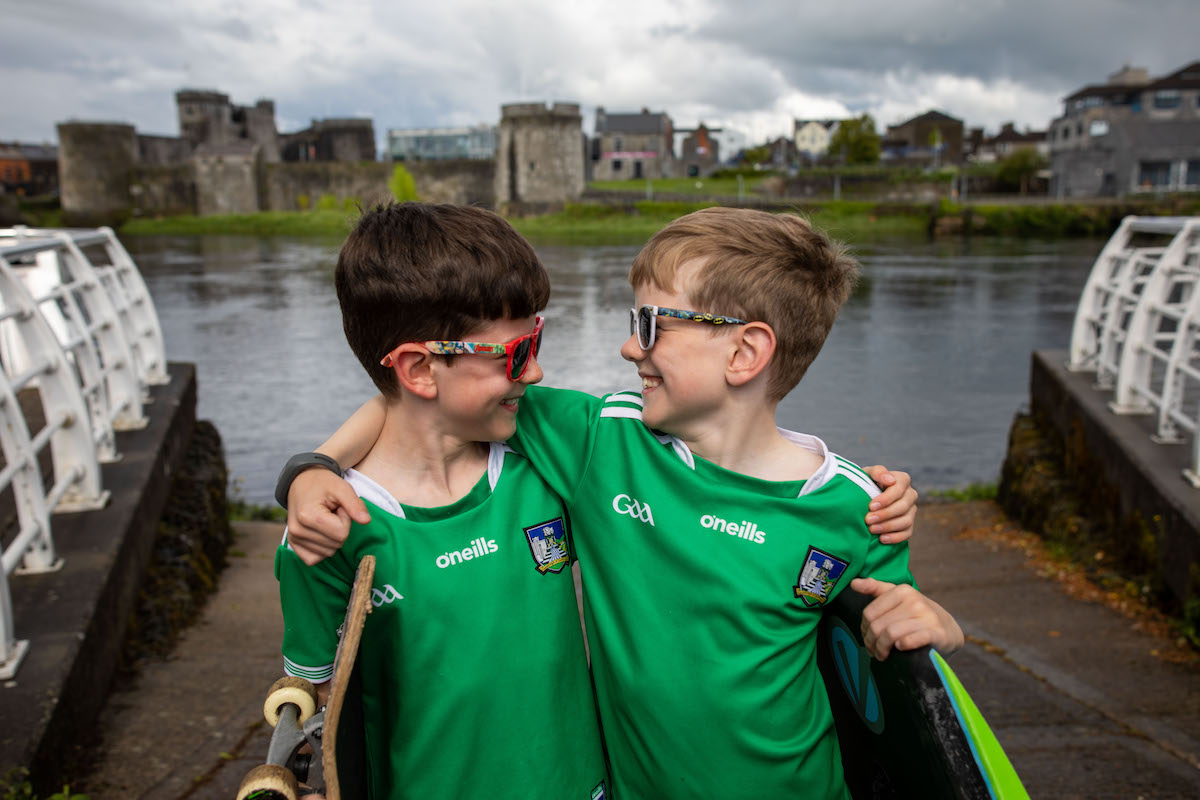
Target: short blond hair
x,y
772,268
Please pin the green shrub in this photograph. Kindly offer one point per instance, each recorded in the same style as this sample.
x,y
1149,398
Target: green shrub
x,y
302,202
402,184
329,202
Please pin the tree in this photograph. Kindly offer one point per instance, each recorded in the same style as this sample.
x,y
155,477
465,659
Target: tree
x,y
1017,168
402,184
855,141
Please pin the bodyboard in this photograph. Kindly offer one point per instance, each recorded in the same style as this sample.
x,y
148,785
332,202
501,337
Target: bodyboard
x,y
906,726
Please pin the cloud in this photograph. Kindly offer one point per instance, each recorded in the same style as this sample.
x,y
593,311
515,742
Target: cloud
x,y
755,66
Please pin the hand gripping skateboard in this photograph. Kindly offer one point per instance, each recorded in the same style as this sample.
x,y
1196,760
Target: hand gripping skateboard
x,y
333,732
906,726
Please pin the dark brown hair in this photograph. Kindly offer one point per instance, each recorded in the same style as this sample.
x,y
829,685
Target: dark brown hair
x,y
412,272
772,268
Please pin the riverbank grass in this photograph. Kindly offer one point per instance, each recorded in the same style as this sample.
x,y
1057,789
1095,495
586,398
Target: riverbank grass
x,y
577,223
321,222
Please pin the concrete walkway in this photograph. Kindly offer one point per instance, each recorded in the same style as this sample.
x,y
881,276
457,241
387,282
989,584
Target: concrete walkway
x,y
1083,702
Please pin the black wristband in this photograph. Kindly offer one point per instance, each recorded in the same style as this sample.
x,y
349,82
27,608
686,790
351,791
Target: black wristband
x,y
297,464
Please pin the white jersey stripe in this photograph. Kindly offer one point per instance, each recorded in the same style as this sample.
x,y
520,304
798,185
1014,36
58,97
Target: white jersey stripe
x,y
624,397
314,674
857,477
620,412
844,464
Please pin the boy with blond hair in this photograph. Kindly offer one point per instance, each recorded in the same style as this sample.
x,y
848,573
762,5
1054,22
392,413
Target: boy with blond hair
x,y
709,539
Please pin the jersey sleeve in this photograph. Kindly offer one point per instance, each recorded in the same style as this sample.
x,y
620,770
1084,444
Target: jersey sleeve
x,y
555,431
887,562
313,600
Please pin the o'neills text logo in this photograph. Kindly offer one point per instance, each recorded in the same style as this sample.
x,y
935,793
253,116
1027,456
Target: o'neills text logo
x,y
478,548
624,504
743,530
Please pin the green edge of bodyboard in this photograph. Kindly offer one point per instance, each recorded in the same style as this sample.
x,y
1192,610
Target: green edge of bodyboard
x,y
997,769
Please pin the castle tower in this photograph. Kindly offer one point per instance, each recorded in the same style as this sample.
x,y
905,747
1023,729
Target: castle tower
x,y
95,162
539,155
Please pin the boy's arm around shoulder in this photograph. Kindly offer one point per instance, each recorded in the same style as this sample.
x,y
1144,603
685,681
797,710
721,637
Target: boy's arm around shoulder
x,y
321,505
556,430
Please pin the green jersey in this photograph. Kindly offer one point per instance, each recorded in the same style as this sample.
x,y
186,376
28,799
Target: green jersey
x,y
475,681
702,593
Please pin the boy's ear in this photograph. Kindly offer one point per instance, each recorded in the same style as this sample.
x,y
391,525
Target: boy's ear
x,y
413,365
755,347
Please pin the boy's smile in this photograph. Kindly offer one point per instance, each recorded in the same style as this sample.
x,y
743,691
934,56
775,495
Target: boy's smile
x,y
479,401
683,373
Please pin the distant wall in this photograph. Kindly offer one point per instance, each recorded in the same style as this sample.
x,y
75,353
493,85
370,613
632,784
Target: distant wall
x,y
295,186
95,164
164,191
227,182
163,150
461,181
232,179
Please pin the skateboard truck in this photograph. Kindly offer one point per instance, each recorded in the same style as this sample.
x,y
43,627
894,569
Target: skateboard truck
x,y
291,708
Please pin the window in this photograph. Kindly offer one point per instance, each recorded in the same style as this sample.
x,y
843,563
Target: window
x,y
1066,132
617,143
616,165
1167,98
1098,127
1079,128
1154,174
1193,172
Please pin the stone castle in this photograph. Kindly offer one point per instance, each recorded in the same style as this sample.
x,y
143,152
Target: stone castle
x,y
231,158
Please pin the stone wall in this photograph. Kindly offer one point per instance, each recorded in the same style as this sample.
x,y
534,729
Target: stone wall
x,y
164,191
162,150
297,186
227,179
95,163
461,181
1095,484
539,155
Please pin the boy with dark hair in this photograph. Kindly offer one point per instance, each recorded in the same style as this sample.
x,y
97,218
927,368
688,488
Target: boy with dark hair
x,y
709,539
475,680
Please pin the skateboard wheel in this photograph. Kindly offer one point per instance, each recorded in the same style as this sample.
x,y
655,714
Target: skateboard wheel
x,y
269,782
286,690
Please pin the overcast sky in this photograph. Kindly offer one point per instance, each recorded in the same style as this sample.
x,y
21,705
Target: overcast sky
x,y
753,65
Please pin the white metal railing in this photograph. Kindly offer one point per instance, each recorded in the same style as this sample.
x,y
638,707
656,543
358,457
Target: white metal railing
x,y
1138,326
77,323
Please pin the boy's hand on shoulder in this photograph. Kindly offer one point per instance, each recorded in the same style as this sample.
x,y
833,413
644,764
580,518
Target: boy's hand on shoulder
x,y
320,508
903,618
893,513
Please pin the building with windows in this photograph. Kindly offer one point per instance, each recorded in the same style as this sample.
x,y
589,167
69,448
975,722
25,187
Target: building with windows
x,y
811,137
441,144
1132,134
699,152
986,149
30,169
931,139
630,146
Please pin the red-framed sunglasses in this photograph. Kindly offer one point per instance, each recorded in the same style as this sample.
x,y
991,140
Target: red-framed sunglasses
x,y
517,350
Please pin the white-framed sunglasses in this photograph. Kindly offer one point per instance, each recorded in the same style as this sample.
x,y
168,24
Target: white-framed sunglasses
x,y
643,321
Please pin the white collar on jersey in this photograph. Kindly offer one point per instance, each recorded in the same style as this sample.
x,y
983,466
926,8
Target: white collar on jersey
x,y
368,489
831,463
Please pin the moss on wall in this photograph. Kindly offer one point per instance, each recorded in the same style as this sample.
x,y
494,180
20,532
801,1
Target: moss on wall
x,y
189,550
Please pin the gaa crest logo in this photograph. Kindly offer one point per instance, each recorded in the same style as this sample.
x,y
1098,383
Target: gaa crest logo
x,y
548,544
818,576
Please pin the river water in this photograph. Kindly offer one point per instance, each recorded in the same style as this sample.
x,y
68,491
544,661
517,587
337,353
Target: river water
x,y
923,371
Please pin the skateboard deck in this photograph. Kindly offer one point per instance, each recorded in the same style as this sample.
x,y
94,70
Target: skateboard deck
x,y
337,766
906,726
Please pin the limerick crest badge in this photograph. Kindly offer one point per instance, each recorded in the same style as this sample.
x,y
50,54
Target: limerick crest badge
x,y
818,576
548,543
